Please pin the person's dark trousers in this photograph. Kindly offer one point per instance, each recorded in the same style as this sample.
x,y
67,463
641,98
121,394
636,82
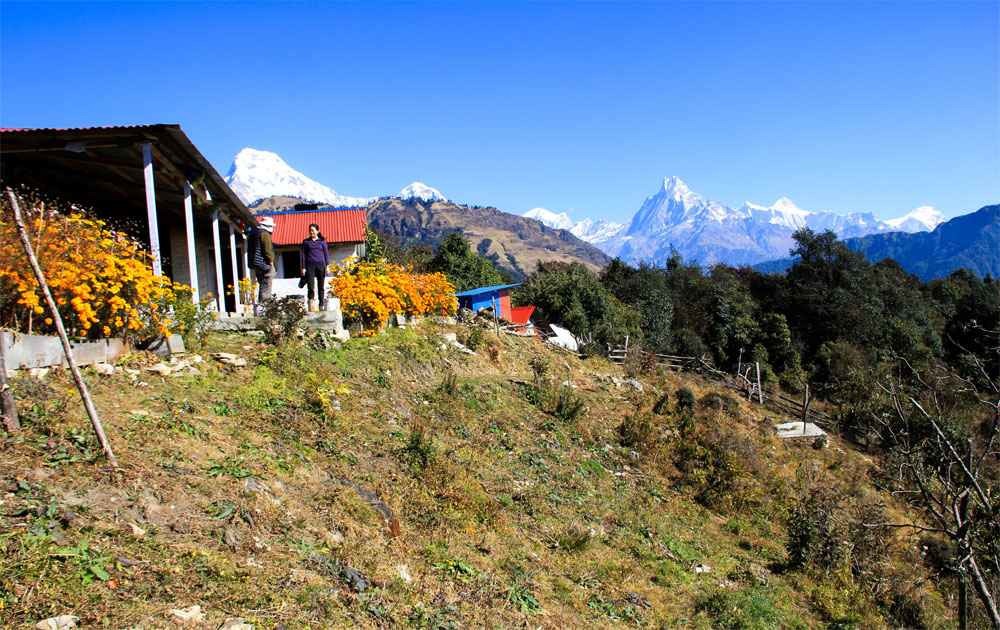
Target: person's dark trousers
x,y
317,273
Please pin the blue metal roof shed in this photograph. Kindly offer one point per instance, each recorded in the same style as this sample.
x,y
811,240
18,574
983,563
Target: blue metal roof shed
x,y
496,296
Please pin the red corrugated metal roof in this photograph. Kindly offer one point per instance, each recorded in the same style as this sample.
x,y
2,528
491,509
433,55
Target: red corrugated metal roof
x,y
521,315
337,226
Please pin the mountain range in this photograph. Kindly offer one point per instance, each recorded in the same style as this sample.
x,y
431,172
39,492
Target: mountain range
x,y
675,218
970,241
417,214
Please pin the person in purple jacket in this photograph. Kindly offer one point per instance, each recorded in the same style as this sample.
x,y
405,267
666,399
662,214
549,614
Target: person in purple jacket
x,y
314,258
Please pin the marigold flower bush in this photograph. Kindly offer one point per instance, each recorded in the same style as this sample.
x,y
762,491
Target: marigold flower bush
x,y
101,279
370,292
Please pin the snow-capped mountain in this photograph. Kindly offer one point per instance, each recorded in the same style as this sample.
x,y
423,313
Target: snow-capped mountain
x,y
257,174
708,232
922,219
421,191
588,230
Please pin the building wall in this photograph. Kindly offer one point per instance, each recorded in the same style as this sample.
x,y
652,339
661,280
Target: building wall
x,y
339,252
498,299
204,255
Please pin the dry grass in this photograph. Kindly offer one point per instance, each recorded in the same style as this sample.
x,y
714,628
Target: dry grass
x,y
247,491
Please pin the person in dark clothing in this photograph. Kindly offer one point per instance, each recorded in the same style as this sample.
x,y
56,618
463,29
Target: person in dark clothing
x,y
260,251
314,258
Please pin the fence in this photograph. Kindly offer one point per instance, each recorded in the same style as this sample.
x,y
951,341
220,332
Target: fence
x,y
746,382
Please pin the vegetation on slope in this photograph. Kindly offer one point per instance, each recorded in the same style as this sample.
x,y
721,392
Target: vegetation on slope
x,y
396,481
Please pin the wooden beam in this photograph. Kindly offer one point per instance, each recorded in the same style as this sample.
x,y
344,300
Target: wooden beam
x,y
154,228
220,296
191,255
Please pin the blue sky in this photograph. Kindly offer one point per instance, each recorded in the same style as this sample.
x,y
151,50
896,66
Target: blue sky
x,y
579,107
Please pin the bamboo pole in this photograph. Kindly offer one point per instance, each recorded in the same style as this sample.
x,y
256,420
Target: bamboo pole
x,y
88,403
7,407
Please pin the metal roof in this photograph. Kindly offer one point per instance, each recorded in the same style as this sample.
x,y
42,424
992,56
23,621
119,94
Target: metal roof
x,y
490,289
337,226
99,165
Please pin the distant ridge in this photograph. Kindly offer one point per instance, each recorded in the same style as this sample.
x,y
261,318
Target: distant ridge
x,y
970,241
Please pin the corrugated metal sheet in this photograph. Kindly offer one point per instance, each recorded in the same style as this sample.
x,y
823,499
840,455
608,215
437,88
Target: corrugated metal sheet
x,y
337,226
490,289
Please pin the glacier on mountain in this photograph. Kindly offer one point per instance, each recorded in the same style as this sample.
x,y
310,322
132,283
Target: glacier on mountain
x,y
257,174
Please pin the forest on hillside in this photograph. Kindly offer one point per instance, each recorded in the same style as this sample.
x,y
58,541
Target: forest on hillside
x,y
910,369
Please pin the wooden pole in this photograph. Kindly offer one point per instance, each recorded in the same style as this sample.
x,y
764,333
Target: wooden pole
x,y
88,403
760,390
7,407
496,320
805,409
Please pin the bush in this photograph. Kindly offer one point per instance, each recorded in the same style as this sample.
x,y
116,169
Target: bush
x,y
420,450
719,402
194,321
637,431
818,534
685,400
370,292
566,405
280,317
101,280
660,407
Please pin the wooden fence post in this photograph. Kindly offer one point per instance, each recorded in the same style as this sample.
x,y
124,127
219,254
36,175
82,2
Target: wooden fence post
x,y
88,403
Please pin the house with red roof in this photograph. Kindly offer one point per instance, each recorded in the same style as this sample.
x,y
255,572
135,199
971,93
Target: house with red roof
x,y
344,231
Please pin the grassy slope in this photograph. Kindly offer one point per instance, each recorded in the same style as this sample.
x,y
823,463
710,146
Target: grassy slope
x,y
487,528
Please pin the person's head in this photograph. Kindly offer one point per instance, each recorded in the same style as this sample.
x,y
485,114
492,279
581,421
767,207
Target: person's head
x,y
266,223
314,231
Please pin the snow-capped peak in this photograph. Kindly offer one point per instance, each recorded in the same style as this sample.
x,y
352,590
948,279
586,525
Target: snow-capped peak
x,y
557,220
924,218
786,205
587,230
420,190
257,174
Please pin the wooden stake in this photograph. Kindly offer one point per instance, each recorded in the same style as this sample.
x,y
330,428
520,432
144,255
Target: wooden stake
x,y
88,403
7,407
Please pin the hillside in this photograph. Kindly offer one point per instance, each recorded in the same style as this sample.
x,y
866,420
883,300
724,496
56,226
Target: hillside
x,y
513,243
395,481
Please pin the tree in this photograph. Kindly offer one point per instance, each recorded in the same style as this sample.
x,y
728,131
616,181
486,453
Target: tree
x,y
464,268
572,296
947,470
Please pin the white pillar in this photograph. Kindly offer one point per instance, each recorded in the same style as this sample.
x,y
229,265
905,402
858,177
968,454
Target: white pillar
x,y
246,258
220,289
154,228
192,257
232,260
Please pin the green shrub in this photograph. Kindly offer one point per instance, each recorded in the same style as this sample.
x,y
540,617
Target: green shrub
x,y
637,431
818,534
566,405
660,407
420,450
685,400
719,402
